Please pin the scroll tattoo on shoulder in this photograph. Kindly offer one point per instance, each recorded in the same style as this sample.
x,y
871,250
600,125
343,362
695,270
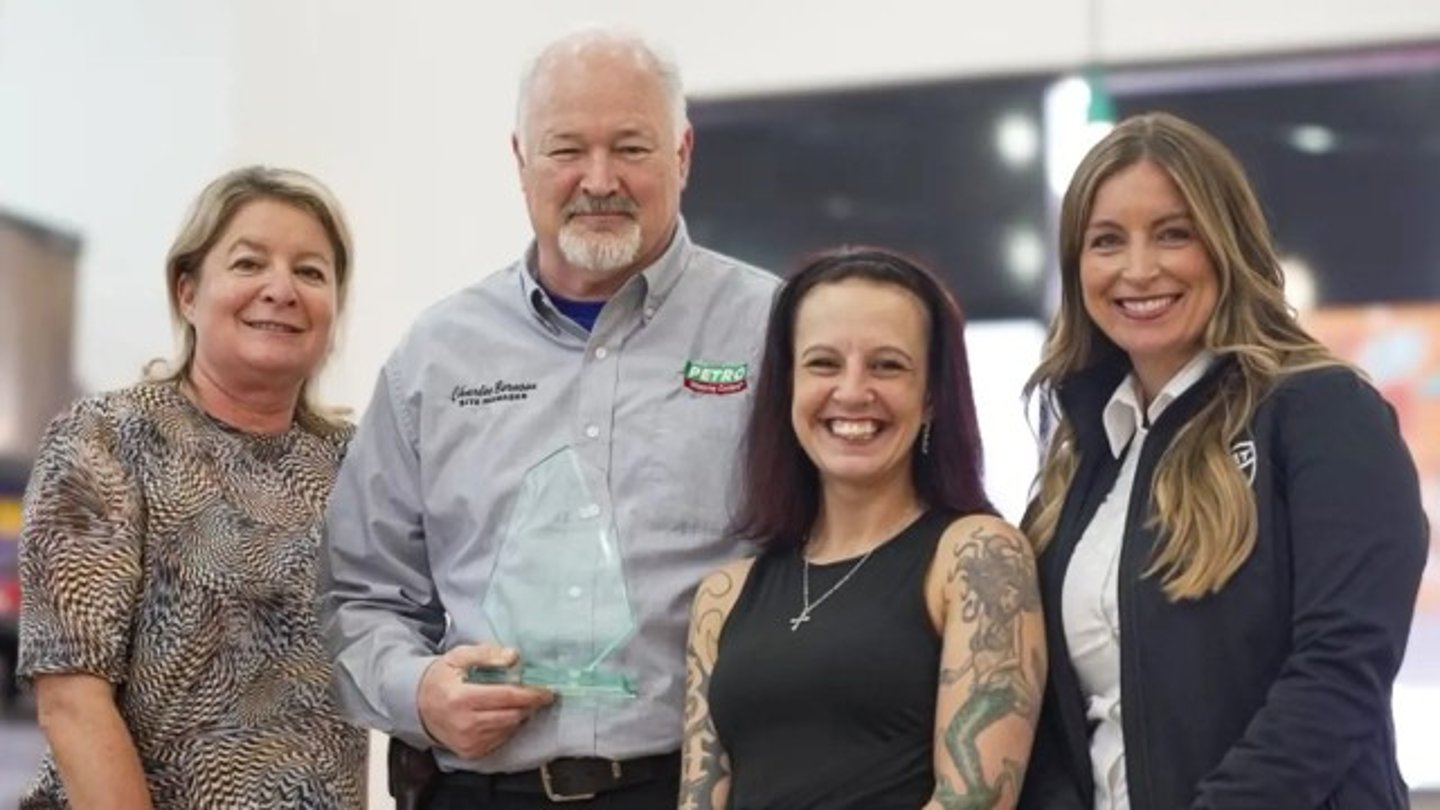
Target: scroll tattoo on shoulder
x,y
706,767
994,582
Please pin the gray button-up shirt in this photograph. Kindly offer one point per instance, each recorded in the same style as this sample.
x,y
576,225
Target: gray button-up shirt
x,y
488,383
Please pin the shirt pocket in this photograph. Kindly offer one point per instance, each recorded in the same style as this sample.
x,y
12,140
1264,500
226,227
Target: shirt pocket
x,y
690,459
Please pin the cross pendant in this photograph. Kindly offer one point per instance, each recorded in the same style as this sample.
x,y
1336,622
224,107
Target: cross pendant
x,y
801,618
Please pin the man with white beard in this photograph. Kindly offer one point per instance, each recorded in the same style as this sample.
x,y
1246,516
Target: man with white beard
x,y
615,338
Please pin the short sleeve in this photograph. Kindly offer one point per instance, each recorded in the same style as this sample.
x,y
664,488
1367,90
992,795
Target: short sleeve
x,y
80,550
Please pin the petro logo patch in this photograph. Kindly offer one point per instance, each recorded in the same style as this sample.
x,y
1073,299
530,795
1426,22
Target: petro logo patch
x,y
715,378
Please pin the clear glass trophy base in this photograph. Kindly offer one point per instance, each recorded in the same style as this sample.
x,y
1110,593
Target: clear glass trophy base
x,y
571,683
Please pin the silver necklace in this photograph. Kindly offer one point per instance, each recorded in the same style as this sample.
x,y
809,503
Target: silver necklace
x,y
807,607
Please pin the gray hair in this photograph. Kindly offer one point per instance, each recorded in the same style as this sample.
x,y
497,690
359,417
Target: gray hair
x,y
646,53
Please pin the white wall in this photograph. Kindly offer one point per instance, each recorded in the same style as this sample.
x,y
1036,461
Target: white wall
x,y
113,113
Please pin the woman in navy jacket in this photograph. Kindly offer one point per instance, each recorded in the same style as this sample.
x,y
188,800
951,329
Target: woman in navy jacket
x,y
1230,527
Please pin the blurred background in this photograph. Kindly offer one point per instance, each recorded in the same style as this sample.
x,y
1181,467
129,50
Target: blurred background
x,y
943,129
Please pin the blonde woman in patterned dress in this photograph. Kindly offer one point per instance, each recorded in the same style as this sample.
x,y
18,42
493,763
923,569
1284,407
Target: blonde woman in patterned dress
x,y
168,553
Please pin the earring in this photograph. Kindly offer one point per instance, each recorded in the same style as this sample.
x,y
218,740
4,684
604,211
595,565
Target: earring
x,y
925,440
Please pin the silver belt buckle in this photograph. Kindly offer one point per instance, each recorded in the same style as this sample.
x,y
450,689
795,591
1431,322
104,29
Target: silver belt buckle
x,y
615,770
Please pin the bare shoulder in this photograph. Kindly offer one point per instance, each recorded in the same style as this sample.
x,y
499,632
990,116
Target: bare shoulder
x,y
980,551
721,587
984,532
713,600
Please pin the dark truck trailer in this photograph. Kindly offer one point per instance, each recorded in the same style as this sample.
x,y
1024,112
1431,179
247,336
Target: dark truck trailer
x,y
12,487
38,266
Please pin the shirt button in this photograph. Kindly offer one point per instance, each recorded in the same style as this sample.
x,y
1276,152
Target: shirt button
x,y
601,353
592,431
590,510
649,313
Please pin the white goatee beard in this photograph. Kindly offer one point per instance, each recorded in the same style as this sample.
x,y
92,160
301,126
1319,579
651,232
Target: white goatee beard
x,y
600,253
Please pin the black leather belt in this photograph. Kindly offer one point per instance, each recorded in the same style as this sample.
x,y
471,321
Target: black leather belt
x,y
572,779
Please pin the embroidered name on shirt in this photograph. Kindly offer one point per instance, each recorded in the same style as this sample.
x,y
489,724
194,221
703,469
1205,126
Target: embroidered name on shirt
x,y
715,378
467,396
1244,454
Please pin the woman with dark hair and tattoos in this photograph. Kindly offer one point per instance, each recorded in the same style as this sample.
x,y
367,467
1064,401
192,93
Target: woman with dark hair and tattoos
x,y
885,649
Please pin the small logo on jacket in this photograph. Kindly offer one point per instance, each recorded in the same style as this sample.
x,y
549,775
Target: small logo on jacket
x,y
715,378
1244,454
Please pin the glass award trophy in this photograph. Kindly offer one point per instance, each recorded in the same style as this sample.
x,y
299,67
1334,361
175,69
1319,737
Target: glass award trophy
x,y
557,594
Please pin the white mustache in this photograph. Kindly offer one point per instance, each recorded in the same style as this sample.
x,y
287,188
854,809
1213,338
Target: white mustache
x,y
587,204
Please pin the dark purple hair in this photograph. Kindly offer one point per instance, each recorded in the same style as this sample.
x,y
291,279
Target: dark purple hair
x,y
780,490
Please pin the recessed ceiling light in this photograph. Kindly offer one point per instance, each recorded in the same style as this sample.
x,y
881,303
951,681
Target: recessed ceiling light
x,y
1313,139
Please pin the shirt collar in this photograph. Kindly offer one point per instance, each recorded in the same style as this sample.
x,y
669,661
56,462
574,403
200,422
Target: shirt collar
x,y
651,285
1122,416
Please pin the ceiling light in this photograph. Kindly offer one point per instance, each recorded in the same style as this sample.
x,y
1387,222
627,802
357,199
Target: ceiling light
x,y
1017,139
1313,139
1024,255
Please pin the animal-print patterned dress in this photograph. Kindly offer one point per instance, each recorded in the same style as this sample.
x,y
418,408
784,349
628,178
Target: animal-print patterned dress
x,y
174,556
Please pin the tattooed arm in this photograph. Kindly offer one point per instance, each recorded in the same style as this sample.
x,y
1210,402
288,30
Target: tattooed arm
x,y
984,597
705,770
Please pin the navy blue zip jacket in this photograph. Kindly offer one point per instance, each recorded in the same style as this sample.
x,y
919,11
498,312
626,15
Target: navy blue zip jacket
x,y
1274,692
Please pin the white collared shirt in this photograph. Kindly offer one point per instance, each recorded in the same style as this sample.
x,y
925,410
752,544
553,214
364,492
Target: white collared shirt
x,y
1090,598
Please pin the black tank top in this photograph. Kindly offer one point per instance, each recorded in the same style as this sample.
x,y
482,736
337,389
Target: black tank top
x,y
840,712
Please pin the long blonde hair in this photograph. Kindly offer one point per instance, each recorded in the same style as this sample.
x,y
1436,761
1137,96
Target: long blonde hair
x,y
206,221
1201,504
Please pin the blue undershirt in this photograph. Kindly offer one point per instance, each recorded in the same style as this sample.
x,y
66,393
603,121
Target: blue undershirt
x,y
584,313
